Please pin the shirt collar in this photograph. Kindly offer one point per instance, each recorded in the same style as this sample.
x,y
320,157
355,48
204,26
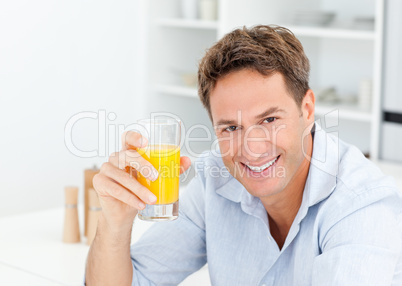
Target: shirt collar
x,y
321,179
234,191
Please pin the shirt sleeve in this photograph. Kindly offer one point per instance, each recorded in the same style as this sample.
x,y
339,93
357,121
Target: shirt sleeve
x,y
362,244
170,251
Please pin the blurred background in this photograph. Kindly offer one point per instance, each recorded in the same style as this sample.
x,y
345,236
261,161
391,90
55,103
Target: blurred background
x,y
75,74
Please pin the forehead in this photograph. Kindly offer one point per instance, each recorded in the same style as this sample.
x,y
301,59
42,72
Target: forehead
x,y
250,93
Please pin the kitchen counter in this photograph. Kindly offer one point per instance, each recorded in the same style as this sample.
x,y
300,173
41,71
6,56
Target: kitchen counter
x,y
32,252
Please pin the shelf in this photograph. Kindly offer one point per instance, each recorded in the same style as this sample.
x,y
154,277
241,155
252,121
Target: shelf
x,y
346,111
328,32
341,53
184,23
177,90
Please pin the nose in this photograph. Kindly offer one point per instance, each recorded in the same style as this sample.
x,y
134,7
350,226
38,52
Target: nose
x,y
256,142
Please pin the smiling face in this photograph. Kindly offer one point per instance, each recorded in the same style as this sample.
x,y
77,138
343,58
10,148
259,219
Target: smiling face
x,y
261,130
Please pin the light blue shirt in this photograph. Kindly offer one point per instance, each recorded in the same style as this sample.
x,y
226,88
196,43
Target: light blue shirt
x,y
348,230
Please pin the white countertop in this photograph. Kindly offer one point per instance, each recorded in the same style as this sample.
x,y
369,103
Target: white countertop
x,y
32,245
32,252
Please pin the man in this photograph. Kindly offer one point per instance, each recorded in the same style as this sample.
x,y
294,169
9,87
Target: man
x,y
298,208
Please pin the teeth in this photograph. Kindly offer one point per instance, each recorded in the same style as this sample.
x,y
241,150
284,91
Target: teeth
x,y
263,167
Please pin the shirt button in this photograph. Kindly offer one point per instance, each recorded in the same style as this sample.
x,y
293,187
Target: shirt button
x,y
263,285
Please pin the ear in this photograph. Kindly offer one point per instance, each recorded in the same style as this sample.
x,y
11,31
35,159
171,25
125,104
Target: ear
x,y
308,105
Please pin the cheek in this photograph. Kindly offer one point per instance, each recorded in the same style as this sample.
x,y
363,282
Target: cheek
x,y
227,146
280,135
224,145
228,162
287,139
294,151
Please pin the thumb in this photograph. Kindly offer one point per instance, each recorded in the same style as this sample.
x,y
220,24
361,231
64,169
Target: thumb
x,y
185,163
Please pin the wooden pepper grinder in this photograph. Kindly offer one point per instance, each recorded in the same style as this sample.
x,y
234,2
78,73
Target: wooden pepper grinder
x,y
94,211
71,225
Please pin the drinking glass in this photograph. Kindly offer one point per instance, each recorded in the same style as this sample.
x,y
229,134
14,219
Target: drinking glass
x,y
163,152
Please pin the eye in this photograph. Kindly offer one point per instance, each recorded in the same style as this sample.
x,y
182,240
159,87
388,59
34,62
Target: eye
x,y
231,128
269,119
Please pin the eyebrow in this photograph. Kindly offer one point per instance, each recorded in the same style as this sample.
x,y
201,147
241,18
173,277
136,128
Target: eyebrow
x,y
266,113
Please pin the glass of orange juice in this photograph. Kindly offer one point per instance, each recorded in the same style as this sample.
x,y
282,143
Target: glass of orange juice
x,y
163,152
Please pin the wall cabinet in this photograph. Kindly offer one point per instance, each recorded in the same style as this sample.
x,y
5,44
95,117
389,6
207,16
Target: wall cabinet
x,y
345,51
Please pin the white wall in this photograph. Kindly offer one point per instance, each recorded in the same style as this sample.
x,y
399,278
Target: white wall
x,y
57,59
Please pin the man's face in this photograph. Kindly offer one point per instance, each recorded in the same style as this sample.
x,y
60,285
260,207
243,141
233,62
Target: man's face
x,y
260,129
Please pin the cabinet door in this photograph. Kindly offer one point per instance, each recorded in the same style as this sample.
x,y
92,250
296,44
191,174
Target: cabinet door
x,y
391,141
393,57
392,125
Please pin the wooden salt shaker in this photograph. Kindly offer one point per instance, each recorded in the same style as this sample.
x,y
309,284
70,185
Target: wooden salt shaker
x,y
94,211
88,177
71,225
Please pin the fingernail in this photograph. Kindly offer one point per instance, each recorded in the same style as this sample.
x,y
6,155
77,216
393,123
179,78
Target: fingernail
x,y
141,205
144,141
152,198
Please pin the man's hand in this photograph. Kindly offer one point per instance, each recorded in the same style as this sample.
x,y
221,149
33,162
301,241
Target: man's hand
x,y
121,196
119,192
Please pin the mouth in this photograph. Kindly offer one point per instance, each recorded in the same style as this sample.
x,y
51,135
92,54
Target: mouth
x,y
262,168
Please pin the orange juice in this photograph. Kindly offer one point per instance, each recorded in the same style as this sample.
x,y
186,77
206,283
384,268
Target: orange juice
x,y
166,160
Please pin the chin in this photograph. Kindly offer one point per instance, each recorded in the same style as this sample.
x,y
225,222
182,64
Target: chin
x,y
263,188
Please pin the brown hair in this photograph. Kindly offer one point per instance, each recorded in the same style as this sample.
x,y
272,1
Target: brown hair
x,y
266,49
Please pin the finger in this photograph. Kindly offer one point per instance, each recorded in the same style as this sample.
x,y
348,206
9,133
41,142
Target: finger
x,y
185,163
131,158
131,184
105,185
133,140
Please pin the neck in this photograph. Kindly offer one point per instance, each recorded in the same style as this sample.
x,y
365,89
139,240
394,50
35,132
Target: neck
x,y
282,207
